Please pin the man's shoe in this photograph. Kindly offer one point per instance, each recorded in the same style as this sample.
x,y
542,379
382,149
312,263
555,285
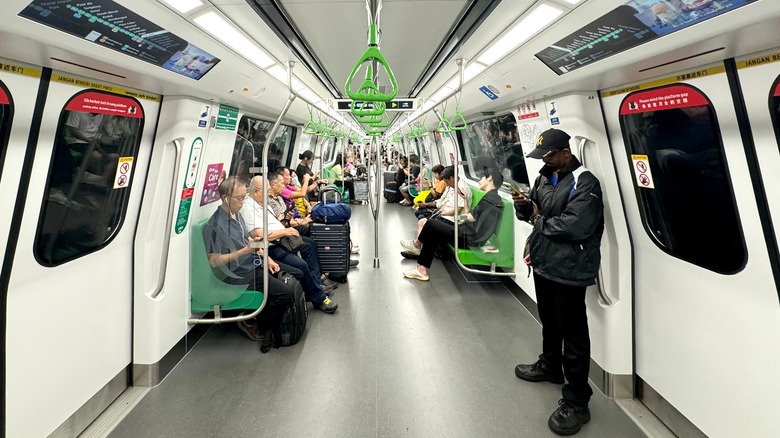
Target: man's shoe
x,y
250,330
326,289
416,275
410,255
538,372
328,306
353,263
328,282
568,418
408,245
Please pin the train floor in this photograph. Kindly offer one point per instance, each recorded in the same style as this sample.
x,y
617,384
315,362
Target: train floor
x,y
399,358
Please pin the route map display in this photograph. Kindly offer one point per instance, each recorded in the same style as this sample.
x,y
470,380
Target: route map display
x,y
111,25
628,26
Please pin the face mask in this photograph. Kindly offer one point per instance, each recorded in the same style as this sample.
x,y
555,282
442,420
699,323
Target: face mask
x,y
295,181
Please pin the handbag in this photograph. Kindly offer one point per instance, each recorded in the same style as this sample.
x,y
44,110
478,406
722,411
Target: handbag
x,y
291,243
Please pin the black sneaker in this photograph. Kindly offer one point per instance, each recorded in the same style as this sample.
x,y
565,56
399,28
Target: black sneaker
x,y
353,263
328,282
568,418
538,372
326,289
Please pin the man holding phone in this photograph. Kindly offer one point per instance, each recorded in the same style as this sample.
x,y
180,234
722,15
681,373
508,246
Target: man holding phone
x,y
566,210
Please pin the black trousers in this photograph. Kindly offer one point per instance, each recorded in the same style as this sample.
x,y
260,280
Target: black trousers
x,y
435,234
278,297
565,338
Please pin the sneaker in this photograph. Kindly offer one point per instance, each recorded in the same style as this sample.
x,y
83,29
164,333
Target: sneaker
x,y
417,275
353,263
408,245
355,249
328,282
328,306
568,418
538,372
326,289
250,330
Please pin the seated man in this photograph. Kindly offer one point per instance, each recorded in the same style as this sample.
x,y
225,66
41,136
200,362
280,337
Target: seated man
x,y
311,278
227,243
480,224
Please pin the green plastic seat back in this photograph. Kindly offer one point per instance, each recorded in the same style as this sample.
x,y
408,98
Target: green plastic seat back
x,y
502,241
206,290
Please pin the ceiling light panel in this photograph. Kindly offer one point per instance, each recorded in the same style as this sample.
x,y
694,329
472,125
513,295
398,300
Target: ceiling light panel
x,y
532,23
184,6
222,30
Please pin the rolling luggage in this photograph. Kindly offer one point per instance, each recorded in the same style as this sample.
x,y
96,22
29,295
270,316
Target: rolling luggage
x,y
332,247
295,316
361,189
330,193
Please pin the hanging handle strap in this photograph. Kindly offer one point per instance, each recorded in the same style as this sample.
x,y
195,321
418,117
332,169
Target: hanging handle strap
x,y
368,90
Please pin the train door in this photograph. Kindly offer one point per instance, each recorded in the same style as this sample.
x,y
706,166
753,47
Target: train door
x,y
705,294
69,296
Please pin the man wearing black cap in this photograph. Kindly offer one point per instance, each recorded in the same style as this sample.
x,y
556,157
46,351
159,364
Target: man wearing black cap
x,y
566,210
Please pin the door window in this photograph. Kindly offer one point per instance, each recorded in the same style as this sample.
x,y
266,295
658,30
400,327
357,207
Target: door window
x,y
493,143
684,190
90,175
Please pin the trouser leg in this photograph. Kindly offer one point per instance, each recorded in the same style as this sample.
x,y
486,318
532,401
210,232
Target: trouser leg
x,y
573,324
311,286
311,257
552,339
433,234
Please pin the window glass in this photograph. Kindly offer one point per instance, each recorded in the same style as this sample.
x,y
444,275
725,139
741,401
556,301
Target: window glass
x,y
6,115
684,191
90,175
250,141
492,143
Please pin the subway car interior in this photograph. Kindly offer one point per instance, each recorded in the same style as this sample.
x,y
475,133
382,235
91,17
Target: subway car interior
x,y
362,218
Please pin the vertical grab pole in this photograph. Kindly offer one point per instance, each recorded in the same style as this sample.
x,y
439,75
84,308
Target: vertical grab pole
x,y
375,199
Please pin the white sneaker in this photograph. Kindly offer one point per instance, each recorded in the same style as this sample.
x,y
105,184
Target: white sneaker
x,y
355,249
416,275
408,246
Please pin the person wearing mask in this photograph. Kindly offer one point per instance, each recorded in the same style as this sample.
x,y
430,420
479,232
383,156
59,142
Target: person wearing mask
x,y
566,210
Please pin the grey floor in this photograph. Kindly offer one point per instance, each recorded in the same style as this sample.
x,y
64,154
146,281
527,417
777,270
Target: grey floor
x,y
399,358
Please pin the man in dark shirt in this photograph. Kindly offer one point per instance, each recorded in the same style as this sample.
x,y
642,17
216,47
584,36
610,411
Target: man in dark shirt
x,y
235,262
479,225
412,175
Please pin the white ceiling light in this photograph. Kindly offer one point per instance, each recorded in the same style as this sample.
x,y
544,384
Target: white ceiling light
x,y
218,27
469,73
520,32
572,2
440,94
184,6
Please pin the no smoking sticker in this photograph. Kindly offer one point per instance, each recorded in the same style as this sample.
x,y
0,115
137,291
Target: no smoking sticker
x,y
644,178
123,168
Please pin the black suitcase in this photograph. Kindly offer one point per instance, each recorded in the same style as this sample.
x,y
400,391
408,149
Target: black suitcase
x,y
295,316
332,247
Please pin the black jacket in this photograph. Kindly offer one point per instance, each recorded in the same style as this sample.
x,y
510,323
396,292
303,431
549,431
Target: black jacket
x,y
565,243
487,213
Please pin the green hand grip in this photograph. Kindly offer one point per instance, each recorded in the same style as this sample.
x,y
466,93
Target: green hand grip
x,y
377,110
369,91
310,127
455,122
369,118
444,125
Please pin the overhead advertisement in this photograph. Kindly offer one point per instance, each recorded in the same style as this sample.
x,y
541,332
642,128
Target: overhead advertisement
x,y
111,25
628,26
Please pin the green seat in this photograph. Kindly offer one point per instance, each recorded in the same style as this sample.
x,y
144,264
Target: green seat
x,y
502,241
206,290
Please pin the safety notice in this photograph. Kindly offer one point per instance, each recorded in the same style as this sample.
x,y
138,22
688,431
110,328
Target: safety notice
x,y
123,169
642,171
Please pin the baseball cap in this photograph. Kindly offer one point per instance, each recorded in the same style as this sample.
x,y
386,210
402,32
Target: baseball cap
x,y
548,141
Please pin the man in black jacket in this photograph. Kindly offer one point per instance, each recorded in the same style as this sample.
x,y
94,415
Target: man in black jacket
x,y
566,210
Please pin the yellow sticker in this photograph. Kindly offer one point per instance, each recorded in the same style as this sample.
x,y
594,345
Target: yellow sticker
x,y
86,83
759,60
683,77
19,70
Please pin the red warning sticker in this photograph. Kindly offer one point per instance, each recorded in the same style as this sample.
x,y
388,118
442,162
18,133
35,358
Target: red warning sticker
x,y
102,103
675,96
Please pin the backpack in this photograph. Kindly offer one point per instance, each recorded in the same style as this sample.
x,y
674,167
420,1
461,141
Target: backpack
x,y
391,192
295,316
330,193
331,213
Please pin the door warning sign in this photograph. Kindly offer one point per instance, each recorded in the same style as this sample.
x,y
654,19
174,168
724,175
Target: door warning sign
x,y
123,168
642,171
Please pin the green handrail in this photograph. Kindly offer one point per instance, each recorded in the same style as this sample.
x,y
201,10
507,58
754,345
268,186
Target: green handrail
x,y
444,125
384,123
310,127
452,122
368,90
377,110
369,118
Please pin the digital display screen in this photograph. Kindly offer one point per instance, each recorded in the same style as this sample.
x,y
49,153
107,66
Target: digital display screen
x,y
628,26
111,25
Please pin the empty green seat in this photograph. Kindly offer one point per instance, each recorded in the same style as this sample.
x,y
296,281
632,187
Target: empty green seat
x,y
206,290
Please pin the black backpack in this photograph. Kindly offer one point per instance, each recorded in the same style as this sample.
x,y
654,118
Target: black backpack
x,y
294,319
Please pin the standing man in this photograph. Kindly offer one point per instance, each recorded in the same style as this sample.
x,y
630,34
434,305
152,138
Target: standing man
x,y
566,210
